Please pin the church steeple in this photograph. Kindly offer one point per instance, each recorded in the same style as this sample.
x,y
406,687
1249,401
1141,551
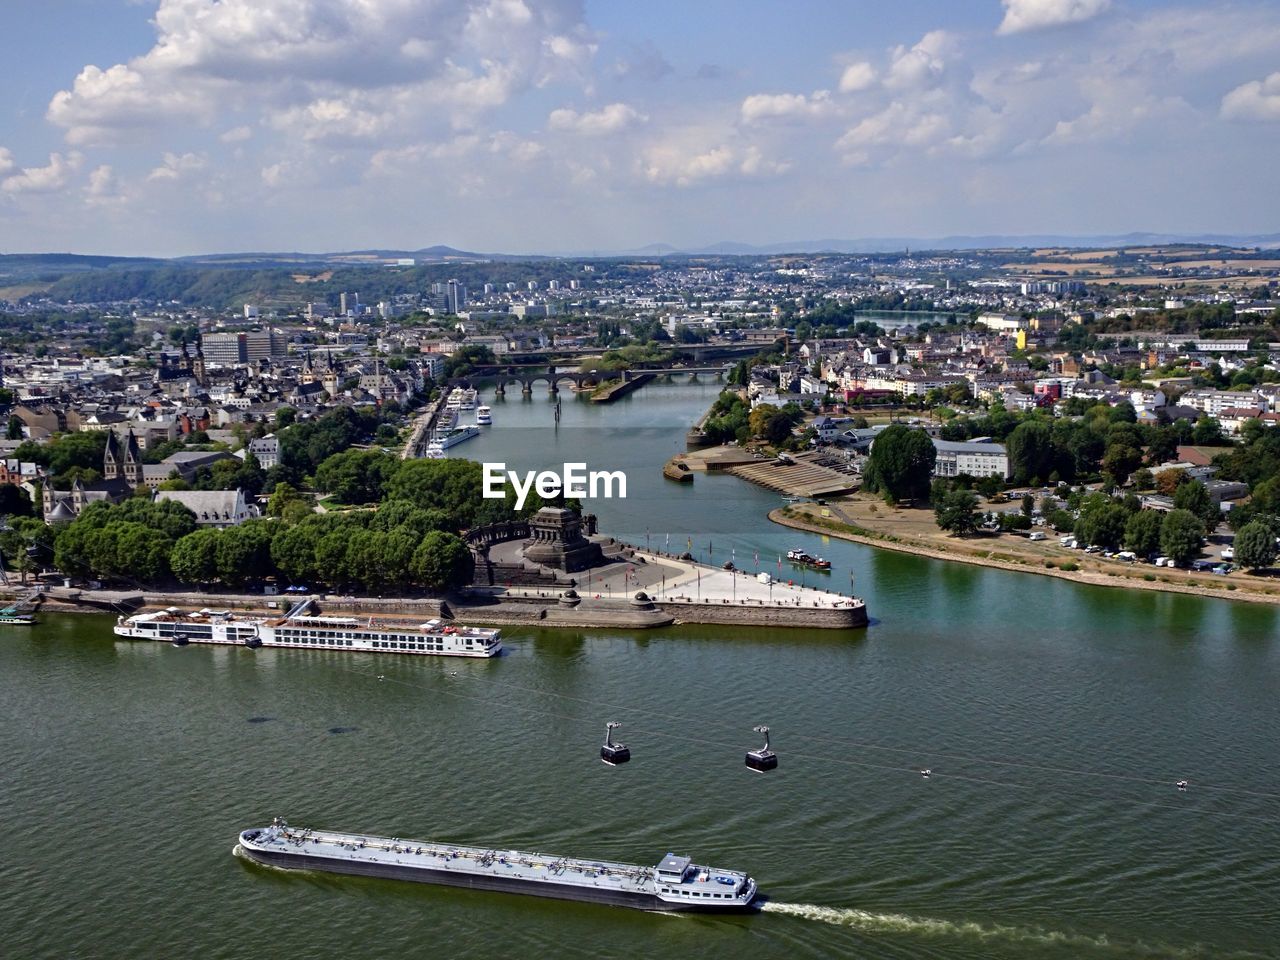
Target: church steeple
x,y
111,457
132,460
197,367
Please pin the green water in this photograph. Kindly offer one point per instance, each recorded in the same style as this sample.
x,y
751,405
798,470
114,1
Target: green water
x,y
1054,717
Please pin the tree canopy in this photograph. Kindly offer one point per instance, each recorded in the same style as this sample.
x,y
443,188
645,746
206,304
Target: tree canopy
x,y
900,464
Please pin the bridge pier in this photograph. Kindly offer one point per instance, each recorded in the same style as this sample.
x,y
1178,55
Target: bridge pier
x,y
500,390
526,389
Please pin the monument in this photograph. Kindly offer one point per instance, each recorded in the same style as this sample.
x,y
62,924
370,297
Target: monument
x,y
556,540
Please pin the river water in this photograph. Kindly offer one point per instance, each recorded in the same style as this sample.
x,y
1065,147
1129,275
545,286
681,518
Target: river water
x,y
1054,717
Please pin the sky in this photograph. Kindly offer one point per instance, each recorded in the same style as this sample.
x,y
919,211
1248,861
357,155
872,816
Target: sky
x,y
176,127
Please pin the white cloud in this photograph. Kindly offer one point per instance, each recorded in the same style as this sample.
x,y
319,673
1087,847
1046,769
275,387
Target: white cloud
x,y
276,174
236,135
769,106
857,77
288,57
606,120
922,66
1255,100
47,179
756,164
669,163
1119,114
105,105
104,188
6,161
175,165
1022,15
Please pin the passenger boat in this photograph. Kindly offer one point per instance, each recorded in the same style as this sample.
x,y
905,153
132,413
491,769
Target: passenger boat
x,y
484,416
308,632
675,884
16,620
804,559
455,436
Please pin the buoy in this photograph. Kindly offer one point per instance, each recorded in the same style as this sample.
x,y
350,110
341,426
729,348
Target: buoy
x,y
764,758
610,752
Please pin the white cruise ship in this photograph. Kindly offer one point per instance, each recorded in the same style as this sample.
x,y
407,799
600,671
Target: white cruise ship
x,y
362,635
455,435
484,416
461,399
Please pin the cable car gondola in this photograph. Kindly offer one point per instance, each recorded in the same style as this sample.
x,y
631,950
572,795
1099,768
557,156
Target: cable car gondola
x,y
764,758
613,753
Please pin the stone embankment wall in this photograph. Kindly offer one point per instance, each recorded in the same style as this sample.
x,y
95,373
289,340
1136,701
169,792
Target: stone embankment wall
x,y
764,615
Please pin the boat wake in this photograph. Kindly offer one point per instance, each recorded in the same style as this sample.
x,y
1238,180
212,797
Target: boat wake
x,y
866,921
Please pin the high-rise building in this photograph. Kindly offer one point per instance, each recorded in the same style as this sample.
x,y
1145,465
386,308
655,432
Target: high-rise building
x,y
457,296
234,349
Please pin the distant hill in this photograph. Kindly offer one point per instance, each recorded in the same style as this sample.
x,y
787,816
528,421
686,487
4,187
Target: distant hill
x,y
228,280
26,266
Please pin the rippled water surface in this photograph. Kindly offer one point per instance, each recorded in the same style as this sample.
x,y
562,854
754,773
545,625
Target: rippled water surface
x,y
1054,717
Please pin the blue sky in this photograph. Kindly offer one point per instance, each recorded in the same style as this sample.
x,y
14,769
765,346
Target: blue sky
x,y
169,127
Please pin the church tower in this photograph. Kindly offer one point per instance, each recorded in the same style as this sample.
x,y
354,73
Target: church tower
x,y
111,457
197,368
132,460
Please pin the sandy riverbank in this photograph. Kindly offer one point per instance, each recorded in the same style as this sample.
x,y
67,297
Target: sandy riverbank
x,y
871,522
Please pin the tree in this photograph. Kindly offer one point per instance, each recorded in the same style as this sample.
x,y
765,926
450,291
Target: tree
x,y
1142,532
1031,453
13,430
1255,545
281,497
1121,460
14,501
441,562
1207,432
1028,504
759,418
777,428
244,552
1143,479
1103,526
1180,535
957,512
195,557
293,551
1194,496
900,463
356,476
1168,481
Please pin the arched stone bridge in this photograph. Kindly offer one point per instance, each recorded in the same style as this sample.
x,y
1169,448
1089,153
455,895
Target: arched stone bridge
x,y
505,376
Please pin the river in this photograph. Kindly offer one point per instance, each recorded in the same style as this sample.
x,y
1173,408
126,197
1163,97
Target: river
x,y
1054,717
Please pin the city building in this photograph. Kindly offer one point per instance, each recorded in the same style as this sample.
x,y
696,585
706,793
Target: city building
x,y
970,457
